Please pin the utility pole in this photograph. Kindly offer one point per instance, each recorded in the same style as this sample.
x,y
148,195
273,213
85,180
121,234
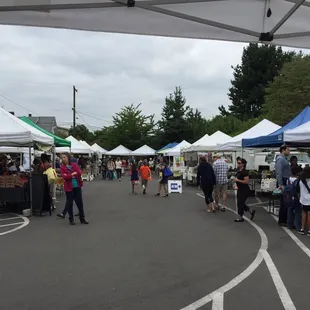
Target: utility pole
x,y
73,108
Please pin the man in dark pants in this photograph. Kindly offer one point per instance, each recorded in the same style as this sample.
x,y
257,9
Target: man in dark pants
x,y
283,172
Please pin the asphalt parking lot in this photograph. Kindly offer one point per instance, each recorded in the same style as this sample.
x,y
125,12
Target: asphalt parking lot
x,y
145,252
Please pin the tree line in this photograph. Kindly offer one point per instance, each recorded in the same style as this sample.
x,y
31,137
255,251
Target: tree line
x,y
268,83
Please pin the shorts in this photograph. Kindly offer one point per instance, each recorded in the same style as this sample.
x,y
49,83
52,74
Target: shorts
x,y
220,189
164,180
144,182
306,208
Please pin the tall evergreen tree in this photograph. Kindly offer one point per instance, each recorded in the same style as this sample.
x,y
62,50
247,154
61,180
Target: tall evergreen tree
x,y
173,122
260,65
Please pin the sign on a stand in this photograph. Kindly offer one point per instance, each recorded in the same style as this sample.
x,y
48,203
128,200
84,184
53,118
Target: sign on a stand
x,y
175,186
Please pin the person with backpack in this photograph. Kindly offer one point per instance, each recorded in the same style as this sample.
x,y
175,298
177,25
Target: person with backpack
x,y
303,188
294,209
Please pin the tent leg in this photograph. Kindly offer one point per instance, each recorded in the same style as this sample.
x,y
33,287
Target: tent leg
x,y
30,183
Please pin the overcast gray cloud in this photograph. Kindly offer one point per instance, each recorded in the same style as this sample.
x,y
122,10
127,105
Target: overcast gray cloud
x,y
39,66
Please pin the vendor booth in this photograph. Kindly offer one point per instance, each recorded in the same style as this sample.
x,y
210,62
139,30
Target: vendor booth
x,y
144,150
264,127
277,137
25,189
99,150
120,151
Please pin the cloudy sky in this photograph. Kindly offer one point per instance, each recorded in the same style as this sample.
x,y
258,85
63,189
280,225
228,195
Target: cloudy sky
x,y
39,66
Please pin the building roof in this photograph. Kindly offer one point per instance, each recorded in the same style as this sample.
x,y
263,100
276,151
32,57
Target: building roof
x,y
48,123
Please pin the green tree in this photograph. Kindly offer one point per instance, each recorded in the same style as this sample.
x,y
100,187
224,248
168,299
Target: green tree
x,y
289,93
130,128
260,65
173,122
81,132
195,125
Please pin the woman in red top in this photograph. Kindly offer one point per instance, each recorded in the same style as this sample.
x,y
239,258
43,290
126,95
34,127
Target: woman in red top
x,y
71,173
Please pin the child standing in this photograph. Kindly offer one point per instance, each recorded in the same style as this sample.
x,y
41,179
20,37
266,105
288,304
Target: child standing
x,y
293,204
134,178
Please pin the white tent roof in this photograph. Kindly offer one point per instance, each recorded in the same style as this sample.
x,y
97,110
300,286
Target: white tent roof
x,y
76,147
209,143
121,151
233,20
98,149
176,151
263,128
300,134
15,132
144,150
202,140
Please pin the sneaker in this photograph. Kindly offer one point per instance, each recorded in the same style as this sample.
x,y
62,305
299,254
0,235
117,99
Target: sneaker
x,y
308,234
61,215
239,220
301,232
223,209
144,192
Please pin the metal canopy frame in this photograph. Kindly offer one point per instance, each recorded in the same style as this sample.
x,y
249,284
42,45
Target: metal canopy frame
x,y
152,5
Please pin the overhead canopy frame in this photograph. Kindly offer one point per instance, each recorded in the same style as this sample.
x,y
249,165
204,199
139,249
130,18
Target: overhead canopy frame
x,y
262,20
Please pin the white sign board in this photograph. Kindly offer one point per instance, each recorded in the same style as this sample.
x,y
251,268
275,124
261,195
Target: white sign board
x,y
174,186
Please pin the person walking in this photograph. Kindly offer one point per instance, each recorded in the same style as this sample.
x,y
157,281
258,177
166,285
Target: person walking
x,y
145,173
206,180
220,168
283,172
243,190
111,168
163,178
118,168
71,173
134,177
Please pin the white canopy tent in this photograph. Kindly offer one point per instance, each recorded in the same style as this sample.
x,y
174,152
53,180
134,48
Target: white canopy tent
x,y
15,132
176,151
301,134
263,128
98,149
208,143
144,150
76,147
120,151
281,22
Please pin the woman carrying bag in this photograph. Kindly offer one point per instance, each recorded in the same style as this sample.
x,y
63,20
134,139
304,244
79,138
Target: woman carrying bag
x,y
164,174
71,173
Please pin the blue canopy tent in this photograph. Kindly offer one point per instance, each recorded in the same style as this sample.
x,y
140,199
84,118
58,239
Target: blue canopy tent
x,y
168,146
277,138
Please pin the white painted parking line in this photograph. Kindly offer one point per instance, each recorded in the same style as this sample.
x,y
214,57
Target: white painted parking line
x,y
218,295
11,224
299,243
278,283
218,301
9,218
21,225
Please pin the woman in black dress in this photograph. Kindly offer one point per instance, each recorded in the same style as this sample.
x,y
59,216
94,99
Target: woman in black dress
x,y
243,191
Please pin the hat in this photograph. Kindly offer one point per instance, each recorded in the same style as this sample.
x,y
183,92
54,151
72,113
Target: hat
x,y
217,155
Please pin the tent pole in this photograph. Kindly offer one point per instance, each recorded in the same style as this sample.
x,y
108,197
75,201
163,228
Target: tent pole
x,y
30,183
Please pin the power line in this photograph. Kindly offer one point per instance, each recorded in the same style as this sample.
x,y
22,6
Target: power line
x,y
95,117
14,102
